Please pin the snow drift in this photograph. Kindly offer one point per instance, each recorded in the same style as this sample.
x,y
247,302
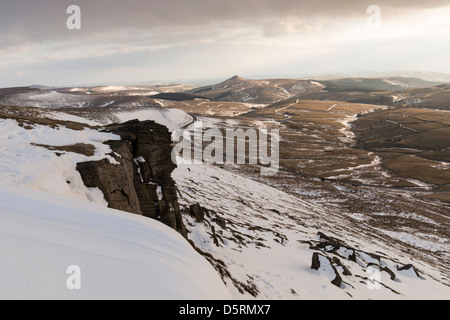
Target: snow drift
x,y
120,255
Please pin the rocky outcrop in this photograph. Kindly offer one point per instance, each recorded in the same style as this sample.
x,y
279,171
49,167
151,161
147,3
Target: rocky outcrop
x,y
139,180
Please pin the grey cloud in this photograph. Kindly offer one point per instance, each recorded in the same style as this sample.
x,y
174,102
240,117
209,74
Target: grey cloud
x,y
37,21
194,38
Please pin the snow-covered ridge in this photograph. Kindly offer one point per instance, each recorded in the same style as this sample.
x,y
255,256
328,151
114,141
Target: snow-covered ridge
x,y
23,163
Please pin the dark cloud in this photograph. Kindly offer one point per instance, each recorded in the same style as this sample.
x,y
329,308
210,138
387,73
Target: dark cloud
x,y
44,20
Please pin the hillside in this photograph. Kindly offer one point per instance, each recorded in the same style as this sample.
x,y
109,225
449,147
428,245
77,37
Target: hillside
x,y
373,84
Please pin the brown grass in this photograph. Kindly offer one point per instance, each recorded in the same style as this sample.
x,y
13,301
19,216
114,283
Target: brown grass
x,y
409,166
80,148
29,117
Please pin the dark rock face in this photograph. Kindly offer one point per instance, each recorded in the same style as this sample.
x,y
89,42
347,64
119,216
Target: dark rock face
x,y
141,182
315,264
197,211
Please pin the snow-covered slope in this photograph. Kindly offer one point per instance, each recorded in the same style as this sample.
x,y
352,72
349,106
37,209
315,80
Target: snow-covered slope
x,y
266,239
120,255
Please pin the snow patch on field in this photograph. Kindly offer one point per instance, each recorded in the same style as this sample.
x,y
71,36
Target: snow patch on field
x,y
418,240
69,117
346,131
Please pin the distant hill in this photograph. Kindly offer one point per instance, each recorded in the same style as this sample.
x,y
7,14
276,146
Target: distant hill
x,y
361,90
424,75
238,89
389,83
394,91
178,96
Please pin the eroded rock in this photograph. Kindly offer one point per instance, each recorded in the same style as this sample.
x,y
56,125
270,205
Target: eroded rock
x,y
140,181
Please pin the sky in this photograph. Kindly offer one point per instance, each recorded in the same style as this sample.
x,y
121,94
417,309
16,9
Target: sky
x,y
138,41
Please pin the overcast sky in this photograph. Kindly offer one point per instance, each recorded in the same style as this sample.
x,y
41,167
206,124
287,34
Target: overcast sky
x,y
137,41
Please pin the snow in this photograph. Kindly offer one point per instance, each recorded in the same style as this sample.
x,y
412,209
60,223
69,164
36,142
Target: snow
x,y
142,93
79,89
420,184
140,160
69,117
255,105
32,167
331,108
113,88
349,136
325,270
441,165
398,98
120,255
107,104
346,122
51,99
396,83
171,118
159,193
374,163
417,240
410,273
318,84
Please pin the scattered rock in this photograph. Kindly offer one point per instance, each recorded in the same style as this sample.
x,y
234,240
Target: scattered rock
x,y
220,221
331,244
411,269
338,280
315,265
385,269
335,249
197,212
346,271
